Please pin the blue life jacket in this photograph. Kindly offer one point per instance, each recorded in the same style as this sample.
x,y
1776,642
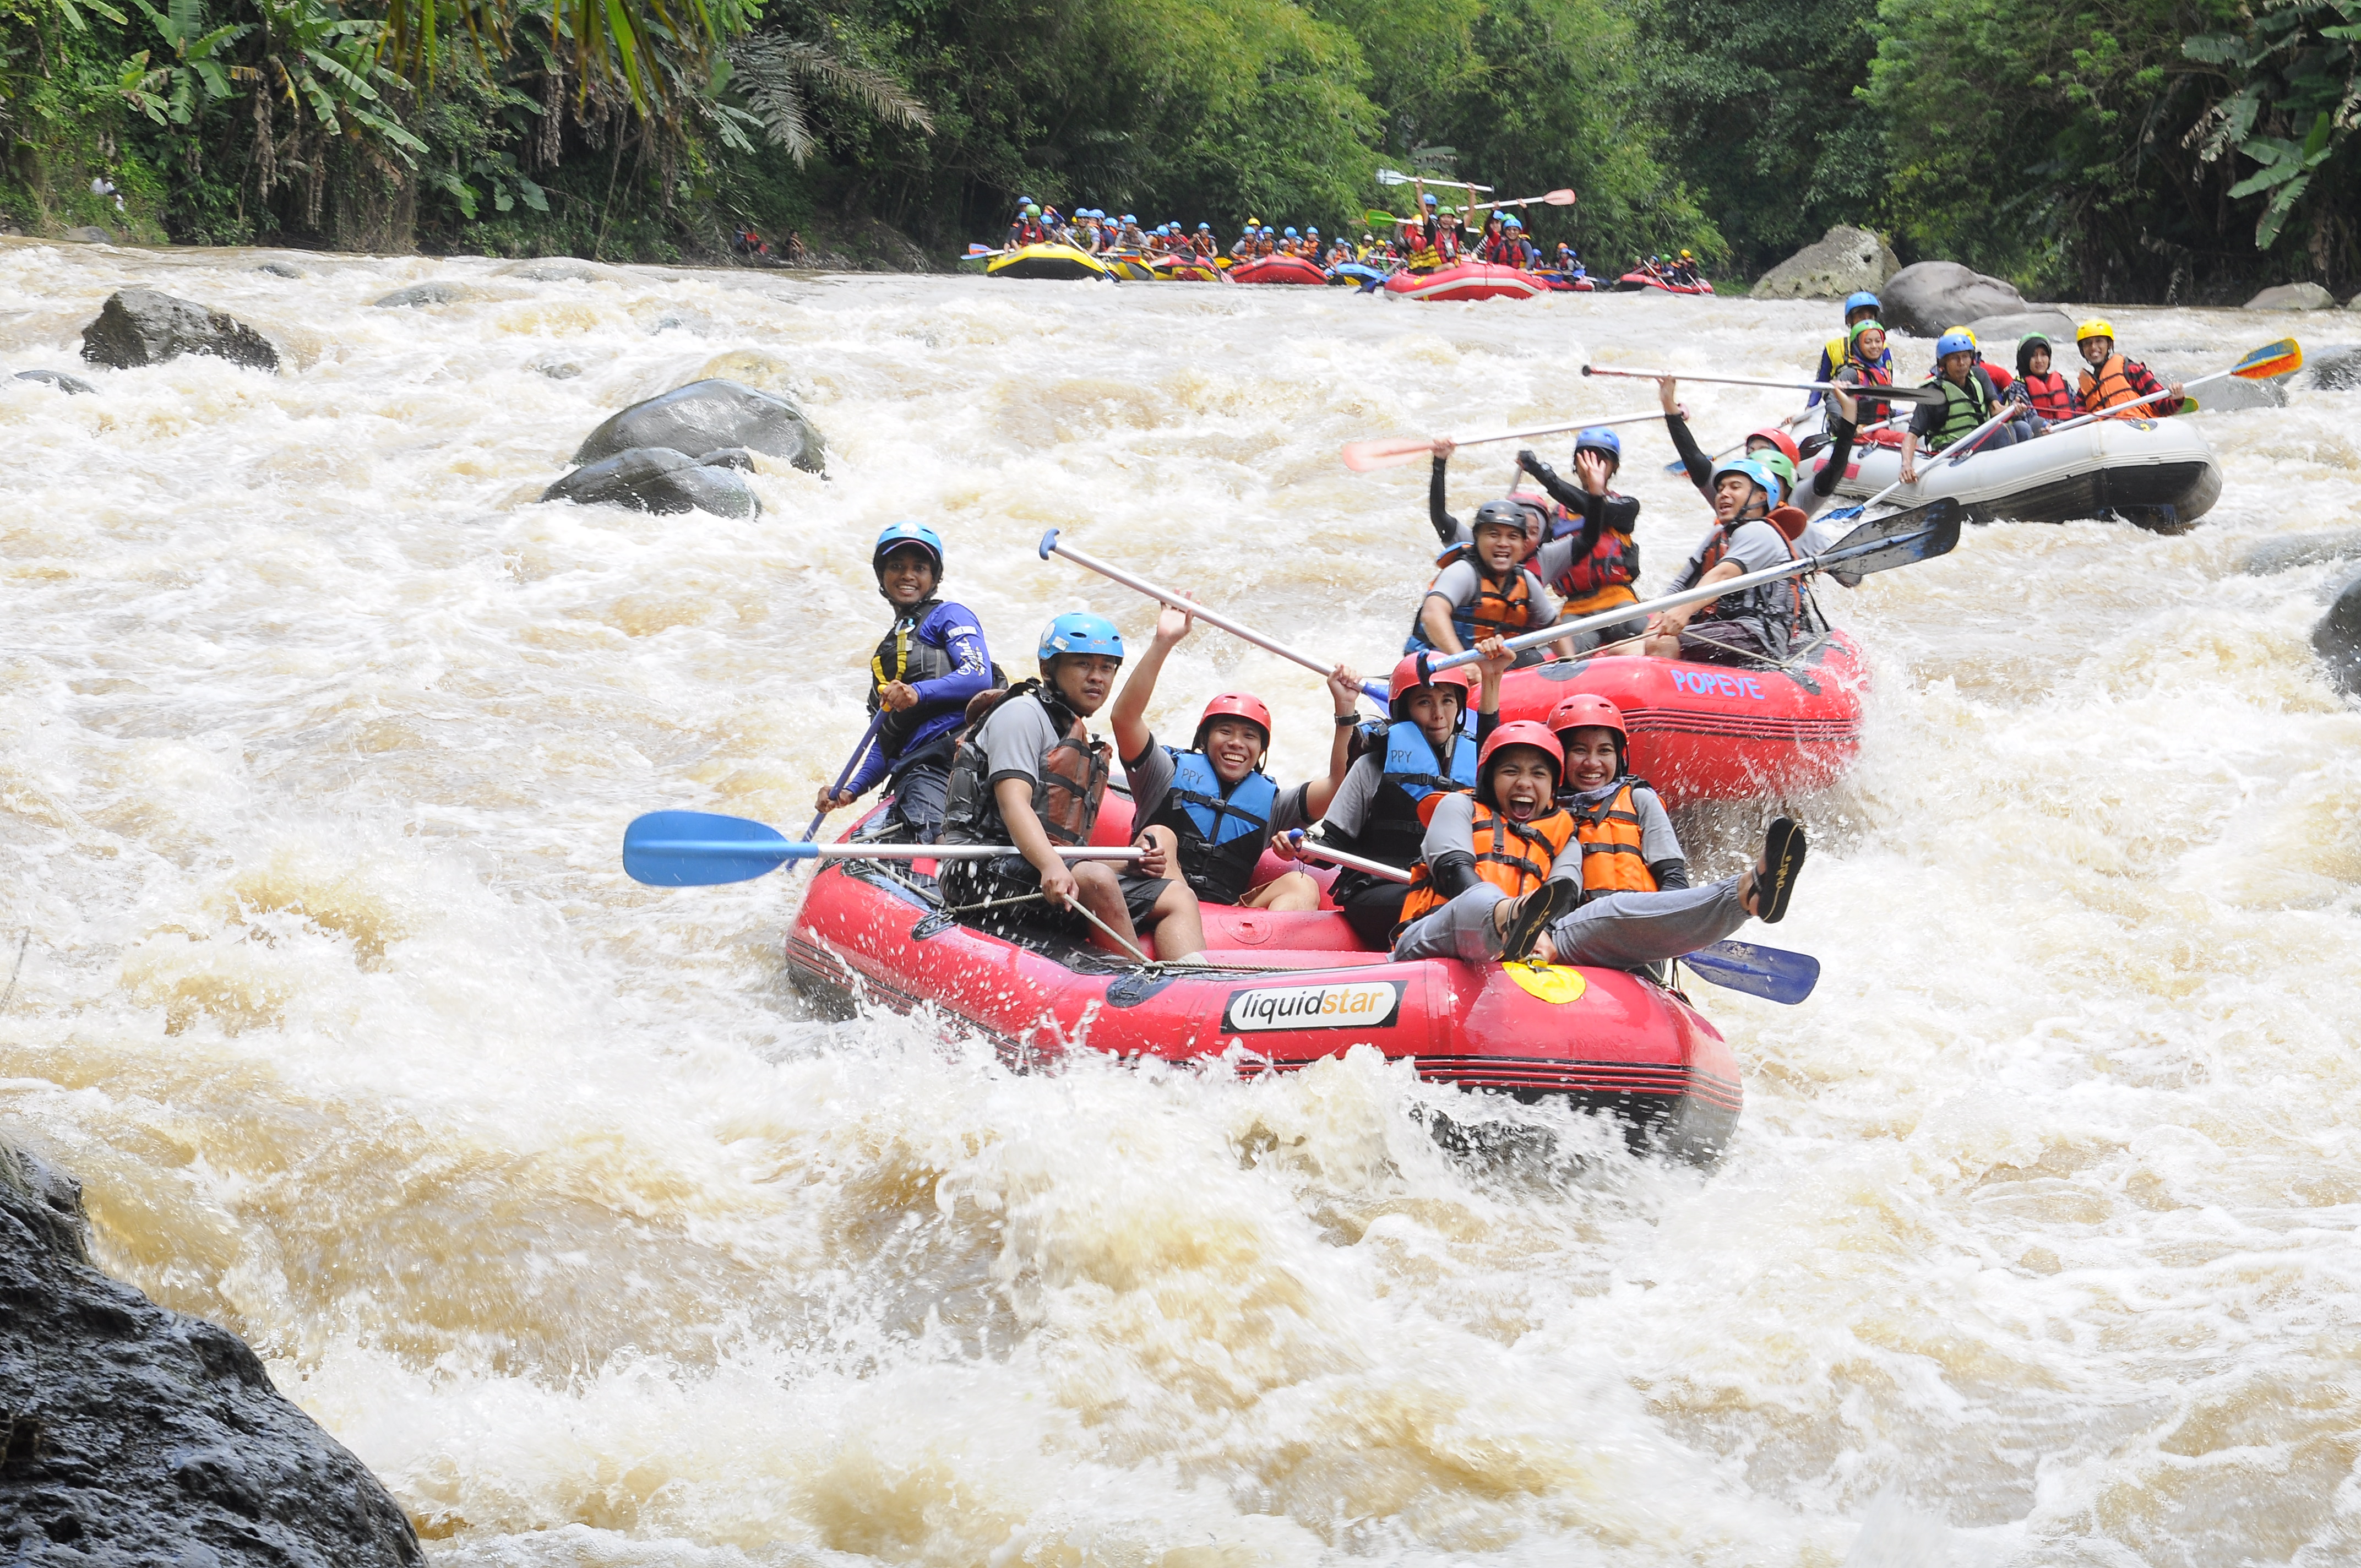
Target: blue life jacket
x,y
1222,834
1392,832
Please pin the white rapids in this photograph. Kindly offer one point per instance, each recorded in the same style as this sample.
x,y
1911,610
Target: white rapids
x,y
317,739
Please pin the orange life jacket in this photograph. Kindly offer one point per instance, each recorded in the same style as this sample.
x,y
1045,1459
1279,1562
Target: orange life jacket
x,y
1612,859
2052,395
1514,857
1496,611
2113,386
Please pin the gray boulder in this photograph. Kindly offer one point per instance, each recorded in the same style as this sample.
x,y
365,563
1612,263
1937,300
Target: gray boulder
x,y
2294,296
134,1437
1843,261
280,269
653,478
2337,638
89,234
140,326
2288,553
421,294
2336,369
706,416
1927,296
555,269
554,366
69,385
2230,395
2001,335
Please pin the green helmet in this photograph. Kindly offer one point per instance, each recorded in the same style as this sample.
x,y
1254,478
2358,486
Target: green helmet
x,y
1776,461
1032,212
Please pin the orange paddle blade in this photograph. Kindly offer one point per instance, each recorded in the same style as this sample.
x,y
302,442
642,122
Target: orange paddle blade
x,y
1392,452
1560,197
2270,362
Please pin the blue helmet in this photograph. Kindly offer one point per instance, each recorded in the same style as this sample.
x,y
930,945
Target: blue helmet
x,y
1428,199
1205,228
1598,438
1953,342
1759,474
1129,219
1290,231
1512,222
1855,302
1080,631
1024,201
911,533
1266,228
1311,230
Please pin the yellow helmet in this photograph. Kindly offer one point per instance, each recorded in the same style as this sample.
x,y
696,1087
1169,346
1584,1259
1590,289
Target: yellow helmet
x,y
2097,326
1968,333
1687,257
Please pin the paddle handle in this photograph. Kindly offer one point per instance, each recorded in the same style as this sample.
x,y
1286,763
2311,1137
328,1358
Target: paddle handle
x,y
2117,411
785,850
1960,450
1554,429
1888,392
1318,851
868,740
1374,690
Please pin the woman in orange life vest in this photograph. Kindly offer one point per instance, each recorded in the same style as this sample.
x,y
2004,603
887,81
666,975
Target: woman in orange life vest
x,y
1502,872
1206,814
2112,380
1637,905
2050,393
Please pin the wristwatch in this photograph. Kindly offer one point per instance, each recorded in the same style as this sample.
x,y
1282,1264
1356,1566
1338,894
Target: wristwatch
x,y
1346,720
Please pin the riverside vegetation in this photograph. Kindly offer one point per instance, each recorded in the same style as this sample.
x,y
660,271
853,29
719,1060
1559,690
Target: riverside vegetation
x,y
2114,149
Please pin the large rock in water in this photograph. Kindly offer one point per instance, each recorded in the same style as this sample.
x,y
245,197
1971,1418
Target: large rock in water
x,y
2336,369
1845,261
2001,335
657,479
140,326
1927,296
2294,296
133,1437
706,416
2338,638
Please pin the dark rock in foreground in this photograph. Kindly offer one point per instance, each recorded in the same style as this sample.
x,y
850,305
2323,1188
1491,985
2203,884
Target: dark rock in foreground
x,y
1927,296
2336,369
134,1437
2337,638
140,326
69,385
654,478
706,416
2289,551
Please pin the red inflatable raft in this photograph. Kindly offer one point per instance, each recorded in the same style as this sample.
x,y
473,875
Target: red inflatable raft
x,y
1468,281
1719,731
1632,282
1277,269
1568,284
1180,269
1286,991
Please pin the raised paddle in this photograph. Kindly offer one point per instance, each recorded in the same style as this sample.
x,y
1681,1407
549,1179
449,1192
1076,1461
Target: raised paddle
x,y
699,849
1758,971
1374,690
1553,199
1397,451
1396,177
1879,545
2267,362
1883,394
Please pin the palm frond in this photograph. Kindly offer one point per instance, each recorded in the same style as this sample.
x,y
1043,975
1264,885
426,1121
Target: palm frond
x,y
777,75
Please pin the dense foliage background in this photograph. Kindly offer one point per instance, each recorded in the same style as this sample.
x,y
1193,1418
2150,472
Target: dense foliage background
x,y
2109,149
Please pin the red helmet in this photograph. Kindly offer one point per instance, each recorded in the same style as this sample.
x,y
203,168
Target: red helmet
x,y
1780,439
1407,680
1234,704
1522,732
1585,710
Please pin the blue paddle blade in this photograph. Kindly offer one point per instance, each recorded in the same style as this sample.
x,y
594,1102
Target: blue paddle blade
x,y
698,848
1772,973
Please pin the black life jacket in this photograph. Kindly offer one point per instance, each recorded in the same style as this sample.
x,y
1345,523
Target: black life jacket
x,y
1066,796
1222,835
901,656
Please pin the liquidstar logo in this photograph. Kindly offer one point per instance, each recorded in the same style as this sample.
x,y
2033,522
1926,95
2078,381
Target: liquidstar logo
x,y
1350,1005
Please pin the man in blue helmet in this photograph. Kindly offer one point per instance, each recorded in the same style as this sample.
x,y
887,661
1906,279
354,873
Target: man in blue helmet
x,y
1754,625
1834,354
1026,772
931,661
1969,399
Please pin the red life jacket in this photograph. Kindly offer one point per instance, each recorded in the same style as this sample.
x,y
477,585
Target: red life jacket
x,y
2052,395
1612,562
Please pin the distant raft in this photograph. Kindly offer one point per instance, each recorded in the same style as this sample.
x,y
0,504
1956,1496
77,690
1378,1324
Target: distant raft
x,y
2158,474
1062,261
1468,281
1277,269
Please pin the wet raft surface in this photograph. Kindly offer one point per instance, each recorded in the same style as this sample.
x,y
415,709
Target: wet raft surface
x,y
541,1193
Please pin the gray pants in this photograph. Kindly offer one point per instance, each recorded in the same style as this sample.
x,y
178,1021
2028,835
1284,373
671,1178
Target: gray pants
x,y
1621,930
1624,931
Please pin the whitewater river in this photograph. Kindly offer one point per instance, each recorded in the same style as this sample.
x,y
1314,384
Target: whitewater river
x,y
544,1192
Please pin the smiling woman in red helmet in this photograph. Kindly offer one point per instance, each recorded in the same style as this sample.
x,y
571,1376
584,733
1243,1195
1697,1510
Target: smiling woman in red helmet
x,y
1636,905
1207,813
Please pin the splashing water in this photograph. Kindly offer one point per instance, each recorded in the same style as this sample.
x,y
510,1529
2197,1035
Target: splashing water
x,y
544,1193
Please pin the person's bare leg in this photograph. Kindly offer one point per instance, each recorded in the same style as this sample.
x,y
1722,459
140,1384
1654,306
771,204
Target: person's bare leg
x,y
1101,895
1290,894
1180,924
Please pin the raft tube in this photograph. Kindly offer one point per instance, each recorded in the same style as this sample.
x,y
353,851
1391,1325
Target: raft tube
x,y
1568,282
1277,269
1187,270
1284,990
1468,281
2159,474
1130,267
1048,262
1717,732
1631,282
